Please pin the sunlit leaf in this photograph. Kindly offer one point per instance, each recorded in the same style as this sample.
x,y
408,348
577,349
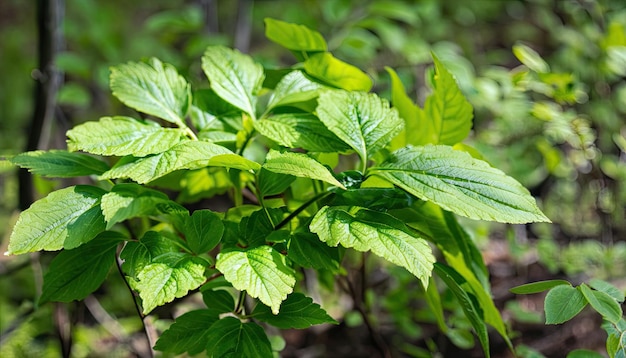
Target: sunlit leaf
x,y
328,69
295,87
59,163
299,165
530,58
293,36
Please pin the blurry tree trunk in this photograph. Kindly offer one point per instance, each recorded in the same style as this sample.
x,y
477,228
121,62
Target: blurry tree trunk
x,y
243,29
47,82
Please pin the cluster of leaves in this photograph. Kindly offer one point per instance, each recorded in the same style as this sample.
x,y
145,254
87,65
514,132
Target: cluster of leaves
x,y
276,137
563,302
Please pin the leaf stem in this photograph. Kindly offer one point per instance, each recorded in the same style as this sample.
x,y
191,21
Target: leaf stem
x,y
301,208
240,301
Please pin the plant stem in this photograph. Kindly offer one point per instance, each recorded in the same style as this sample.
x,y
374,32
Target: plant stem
x,y
242,298
301,208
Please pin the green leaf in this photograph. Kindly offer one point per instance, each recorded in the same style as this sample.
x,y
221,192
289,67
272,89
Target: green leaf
x,y
218,300
155,88
602,303
447,115
59,163
299,165
381,233
271,183
121,136
307,250
407,110
188,333
47,224
297,311
455,283
234,77
607,288
328,69
203,231
363,120
261,272
126,201
185,155
584,353
461,184
295,87
166,278
229,337
300,131
530,58
74,274
536,287
138,254
294,37
562,303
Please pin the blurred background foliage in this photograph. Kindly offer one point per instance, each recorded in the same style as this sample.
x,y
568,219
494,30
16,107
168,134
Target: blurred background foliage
x,y
545,77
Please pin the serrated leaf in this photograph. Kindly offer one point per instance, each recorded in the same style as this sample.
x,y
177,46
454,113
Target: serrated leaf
x,y
300,131
129,200
295,87
328,69
454,282
59,163
155,88
188,333
536,287
363,120
381,233
74,274
229,337
308,251
120,136
562,303
185,155
45,225
165,279
261,272
461,184
203,231
297,311
299,165
138,254
447,116
530,58
604,304
294,37
234,77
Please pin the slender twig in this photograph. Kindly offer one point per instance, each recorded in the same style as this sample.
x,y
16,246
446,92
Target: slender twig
x,y
301,208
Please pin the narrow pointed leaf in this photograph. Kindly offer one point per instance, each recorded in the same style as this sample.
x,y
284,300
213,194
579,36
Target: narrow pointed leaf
x,y
155,88
297,311
602,303
229,337
293,36
607,288
188,333
530,58
261,272
300,131
461,184
363,120
185,155
562,303
537,287
74,274
59,163
295,87
234,77
454,282
381,233
120,136
44,226
299,165
407,110
126,201
330,70
164,280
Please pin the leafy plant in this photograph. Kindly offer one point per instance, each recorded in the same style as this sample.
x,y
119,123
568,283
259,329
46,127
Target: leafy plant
x,y
313,165
563,302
